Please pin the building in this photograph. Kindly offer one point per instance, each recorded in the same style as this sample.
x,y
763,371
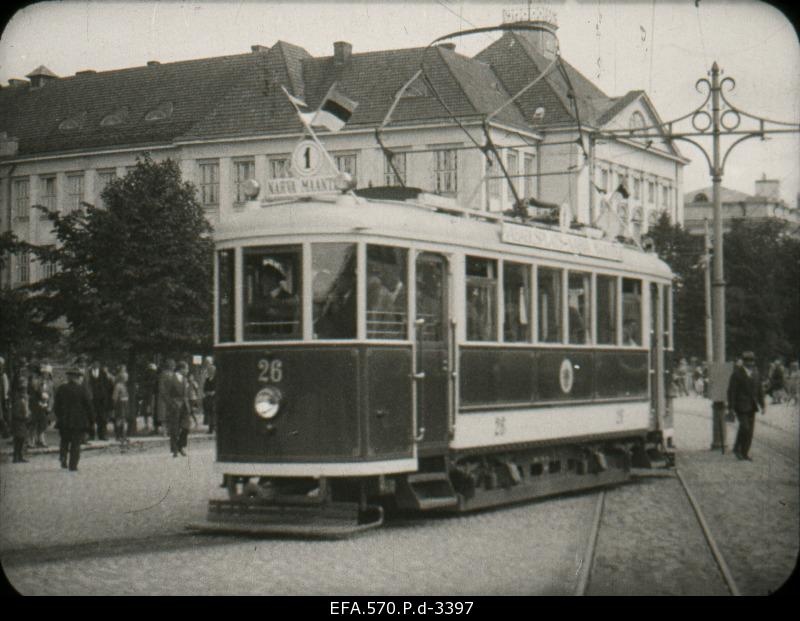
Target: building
x,y
765,204
227,119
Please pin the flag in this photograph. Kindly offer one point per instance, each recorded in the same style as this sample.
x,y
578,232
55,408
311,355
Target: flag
x,y
303,111
334,111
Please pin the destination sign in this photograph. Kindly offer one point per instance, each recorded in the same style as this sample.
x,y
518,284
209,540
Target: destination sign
x,y
560,242
304,186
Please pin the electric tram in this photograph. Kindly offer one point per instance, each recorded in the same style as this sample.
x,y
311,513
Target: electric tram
x,y
387,347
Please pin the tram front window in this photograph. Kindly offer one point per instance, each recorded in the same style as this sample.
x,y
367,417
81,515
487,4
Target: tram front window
x,y
386,292
606,310
549,285
226,315
481,299
271,293
580,320
333,268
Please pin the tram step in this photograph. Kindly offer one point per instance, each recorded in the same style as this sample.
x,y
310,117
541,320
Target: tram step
x,y
427,491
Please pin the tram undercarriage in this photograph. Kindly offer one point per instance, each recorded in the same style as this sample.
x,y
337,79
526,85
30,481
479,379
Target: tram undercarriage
x,y
331,507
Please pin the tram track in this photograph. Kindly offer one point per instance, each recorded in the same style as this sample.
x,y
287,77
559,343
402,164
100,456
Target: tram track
x,y
590,553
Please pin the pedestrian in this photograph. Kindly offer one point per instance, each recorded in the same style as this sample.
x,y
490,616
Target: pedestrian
x,y
178,417
48,397
119,398
194,390
73,409
5,388
147,395
163,387
793,383
680,378
20,416
38,403
101,387
208,362
745,398
82,365
777,381
210,398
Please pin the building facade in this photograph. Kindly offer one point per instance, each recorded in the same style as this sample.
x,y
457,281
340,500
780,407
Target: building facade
x,y
764,204
227,119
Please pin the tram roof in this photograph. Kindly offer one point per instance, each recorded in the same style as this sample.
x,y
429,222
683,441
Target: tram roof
x,y
430,220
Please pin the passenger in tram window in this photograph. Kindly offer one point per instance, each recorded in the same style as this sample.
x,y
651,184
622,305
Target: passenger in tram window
x,y
281,305
630,332
335,302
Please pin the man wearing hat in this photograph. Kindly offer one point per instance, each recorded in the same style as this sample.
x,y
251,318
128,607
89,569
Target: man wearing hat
x,y
73,409
745,398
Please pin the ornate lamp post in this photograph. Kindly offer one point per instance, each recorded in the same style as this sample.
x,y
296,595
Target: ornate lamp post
x,y
715,117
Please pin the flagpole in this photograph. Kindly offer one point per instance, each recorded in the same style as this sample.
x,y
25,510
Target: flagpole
x,y
310,130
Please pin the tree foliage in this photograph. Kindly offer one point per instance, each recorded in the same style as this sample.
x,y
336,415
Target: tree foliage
x,y
135,275
762,294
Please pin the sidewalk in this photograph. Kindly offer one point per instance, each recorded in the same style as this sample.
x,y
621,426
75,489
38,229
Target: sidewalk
x,y
52,439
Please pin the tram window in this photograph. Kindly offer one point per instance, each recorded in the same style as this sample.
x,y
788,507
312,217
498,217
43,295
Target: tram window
x,y
481,299
580,317
665,295
606,310
631,311
517,302
226,316
431,279
333,268
549,293
271,293
387,308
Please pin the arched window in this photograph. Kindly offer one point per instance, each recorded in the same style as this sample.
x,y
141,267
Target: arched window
x,y
700,198
163,111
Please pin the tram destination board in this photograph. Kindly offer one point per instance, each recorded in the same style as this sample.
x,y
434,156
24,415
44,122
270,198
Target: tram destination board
x,y
292,187
553,240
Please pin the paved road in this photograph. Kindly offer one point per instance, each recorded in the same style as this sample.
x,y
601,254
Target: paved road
x,y
117,527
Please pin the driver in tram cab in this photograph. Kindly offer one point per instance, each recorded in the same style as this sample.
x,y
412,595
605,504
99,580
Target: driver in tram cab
x,y
281,303
630,332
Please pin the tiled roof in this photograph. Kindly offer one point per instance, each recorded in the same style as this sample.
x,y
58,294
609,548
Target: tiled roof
x,y
618,105
727,195
242,95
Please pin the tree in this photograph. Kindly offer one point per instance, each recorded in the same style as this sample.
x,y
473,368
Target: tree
x,y
683,253
134,277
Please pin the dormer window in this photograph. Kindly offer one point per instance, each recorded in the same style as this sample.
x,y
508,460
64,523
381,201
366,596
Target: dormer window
x,y
72,123
162,112
115,118
637,121
700,198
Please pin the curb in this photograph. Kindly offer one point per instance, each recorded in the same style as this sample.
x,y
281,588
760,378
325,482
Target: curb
x,y
7,449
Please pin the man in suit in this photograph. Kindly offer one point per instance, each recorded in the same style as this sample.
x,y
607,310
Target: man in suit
x,y
745,398
101,387
73,410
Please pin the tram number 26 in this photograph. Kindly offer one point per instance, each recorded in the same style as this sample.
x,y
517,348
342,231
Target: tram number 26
x,y
270,371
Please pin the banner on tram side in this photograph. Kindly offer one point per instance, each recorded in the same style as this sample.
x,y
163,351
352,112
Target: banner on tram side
x,y
292,187
553,240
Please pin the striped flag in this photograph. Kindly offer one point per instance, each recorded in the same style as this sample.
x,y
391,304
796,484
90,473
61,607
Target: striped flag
x,y
303,111
334,111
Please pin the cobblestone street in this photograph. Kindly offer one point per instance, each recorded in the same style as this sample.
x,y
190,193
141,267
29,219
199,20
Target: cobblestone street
x,y
117,527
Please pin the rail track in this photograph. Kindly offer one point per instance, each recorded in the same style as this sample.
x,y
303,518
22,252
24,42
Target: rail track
x,y
589,556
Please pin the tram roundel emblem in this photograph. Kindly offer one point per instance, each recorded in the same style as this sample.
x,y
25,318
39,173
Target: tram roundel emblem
x,y
307,158
566,376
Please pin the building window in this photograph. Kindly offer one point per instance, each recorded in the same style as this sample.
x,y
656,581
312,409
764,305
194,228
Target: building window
x,y
529,164
481,299
398,160
446,167
389,175
104,178
604,180
279,168
512,166
637,189
493,174
49,268
209,183
48,197
665,197
651,192
347,163
21,200
242,171
23,262
74,192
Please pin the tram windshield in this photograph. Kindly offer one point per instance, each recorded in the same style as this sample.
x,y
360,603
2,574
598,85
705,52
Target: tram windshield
x,y
271,293
387,306
333,268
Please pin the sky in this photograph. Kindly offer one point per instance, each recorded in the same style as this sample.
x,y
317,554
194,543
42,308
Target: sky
x,y
661,47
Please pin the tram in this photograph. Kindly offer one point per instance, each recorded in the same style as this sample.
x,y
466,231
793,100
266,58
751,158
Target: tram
x,y
387,347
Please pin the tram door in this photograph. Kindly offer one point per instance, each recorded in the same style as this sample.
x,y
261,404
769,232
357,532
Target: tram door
x,y
432,351
657,388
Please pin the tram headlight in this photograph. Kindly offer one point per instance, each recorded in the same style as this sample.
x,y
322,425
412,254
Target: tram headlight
x,y
268,402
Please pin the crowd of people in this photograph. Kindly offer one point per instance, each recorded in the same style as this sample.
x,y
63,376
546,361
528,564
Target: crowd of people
x,y
168,399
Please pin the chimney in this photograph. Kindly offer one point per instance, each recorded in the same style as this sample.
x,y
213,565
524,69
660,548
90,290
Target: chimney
x,y
259,48
544,20
768,188
8,145
342,51
16,82
153,63
41,76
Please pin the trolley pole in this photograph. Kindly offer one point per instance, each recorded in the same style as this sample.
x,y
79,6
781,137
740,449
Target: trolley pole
x,y
718,282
